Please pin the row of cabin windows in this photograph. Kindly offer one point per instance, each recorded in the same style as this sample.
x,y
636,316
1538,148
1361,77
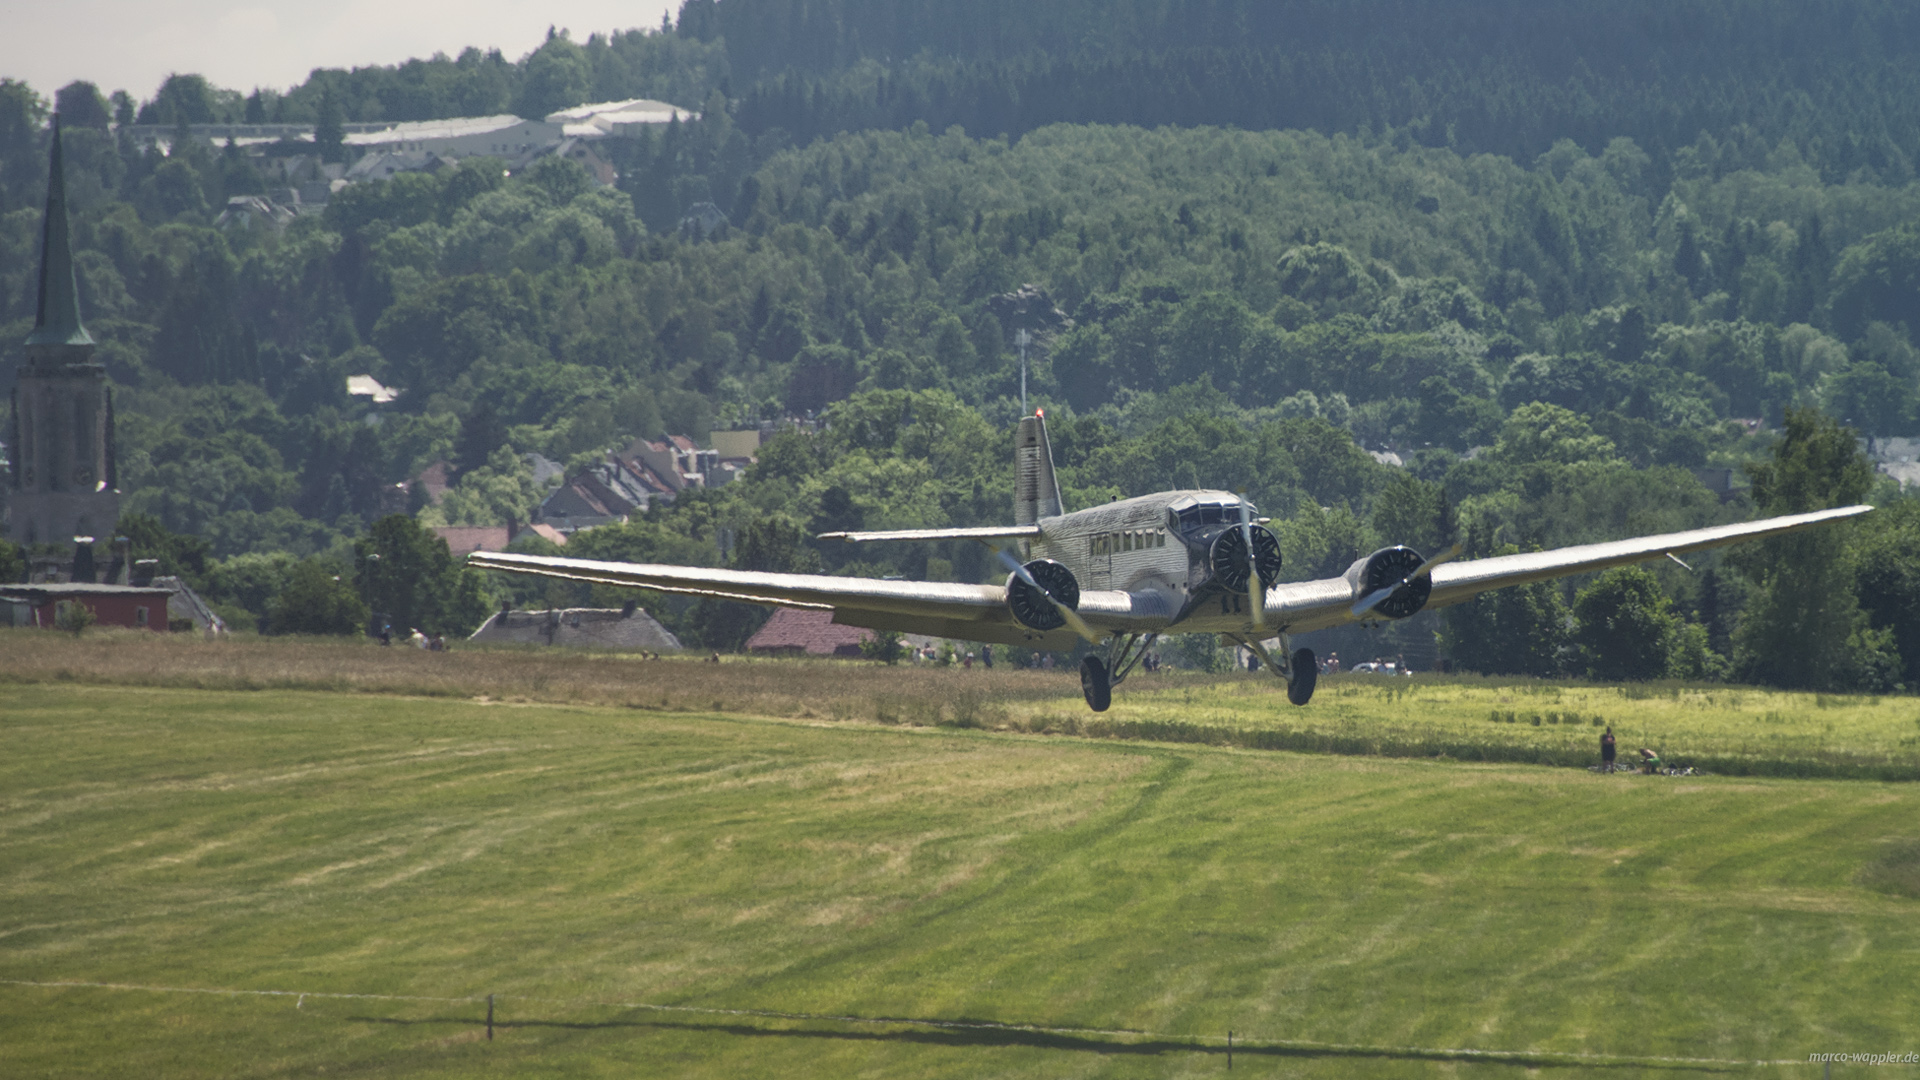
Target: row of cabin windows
x,y
1129,540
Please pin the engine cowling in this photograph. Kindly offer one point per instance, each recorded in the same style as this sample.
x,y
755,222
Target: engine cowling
x,y
1033,610
1382,570
1227,558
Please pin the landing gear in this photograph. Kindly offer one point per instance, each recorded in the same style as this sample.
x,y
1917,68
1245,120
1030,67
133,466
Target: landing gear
x,y
1099,676
1095,684
1300,670
1302,675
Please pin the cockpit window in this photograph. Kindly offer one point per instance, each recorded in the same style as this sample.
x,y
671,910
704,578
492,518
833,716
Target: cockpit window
x,y
1189,514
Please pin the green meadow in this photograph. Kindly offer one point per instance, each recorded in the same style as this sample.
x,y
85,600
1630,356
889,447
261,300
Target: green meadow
x,y
1727,730
649,892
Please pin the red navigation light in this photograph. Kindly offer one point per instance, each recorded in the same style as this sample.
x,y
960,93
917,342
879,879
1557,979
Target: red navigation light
x,y
1041,413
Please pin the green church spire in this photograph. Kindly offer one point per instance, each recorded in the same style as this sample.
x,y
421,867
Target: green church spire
x,y
58,319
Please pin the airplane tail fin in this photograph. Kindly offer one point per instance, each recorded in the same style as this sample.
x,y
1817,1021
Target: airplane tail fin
x,y
1036,492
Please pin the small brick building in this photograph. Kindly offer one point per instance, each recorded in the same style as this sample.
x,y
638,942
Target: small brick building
x,y
39,605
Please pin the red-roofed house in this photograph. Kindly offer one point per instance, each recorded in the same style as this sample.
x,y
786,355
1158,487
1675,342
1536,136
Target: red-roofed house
x,y
464,540
800,631
676,461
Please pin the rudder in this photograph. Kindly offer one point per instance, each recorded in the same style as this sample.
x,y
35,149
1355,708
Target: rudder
x,y
1036,491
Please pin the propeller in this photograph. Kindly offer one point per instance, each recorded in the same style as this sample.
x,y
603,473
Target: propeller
x,y
1073,617
1376,597
1256,593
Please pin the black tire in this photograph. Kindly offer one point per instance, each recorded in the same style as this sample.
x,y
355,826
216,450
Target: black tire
x,y
1095,684
1306,674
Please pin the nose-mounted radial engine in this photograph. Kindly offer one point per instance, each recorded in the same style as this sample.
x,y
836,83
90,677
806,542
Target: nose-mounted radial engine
x,y
1227,561
1217,544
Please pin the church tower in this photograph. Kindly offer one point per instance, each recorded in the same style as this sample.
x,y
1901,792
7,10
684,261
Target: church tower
x,y
62,446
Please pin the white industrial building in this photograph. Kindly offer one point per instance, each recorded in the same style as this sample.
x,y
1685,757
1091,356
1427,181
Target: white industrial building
x,y
503,136
617,118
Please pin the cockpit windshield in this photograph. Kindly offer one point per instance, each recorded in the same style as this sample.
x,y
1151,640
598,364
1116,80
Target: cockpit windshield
x,y
1190,514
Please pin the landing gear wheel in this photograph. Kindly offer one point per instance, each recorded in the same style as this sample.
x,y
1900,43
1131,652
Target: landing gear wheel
x,y
1305,673
1096,684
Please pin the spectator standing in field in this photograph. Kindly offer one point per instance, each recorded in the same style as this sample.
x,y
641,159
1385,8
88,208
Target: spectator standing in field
x,y
1606,750
986,656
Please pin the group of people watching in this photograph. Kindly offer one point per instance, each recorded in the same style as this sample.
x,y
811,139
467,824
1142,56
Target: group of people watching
x,y
419,640
1649,759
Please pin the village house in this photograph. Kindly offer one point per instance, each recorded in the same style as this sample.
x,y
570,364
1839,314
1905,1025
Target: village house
x,y
806,632
628,627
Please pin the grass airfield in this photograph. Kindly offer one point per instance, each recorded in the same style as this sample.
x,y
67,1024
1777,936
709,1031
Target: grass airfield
x,y
818,897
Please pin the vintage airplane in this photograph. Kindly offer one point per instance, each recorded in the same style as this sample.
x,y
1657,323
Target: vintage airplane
x,y
1122,574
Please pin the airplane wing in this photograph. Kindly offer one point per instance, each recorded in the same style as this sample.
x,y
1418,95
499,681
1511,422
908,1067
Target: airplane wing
x,y
939,609
1316,605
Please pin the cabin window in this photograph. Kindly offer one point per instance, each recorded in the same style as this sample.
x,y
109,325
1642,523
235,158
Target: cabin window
x,y
139,616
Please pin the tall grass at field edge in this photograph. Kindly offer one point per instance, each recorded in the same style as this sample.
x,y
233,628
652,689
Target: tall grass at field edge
x,y
1749,731
1826,766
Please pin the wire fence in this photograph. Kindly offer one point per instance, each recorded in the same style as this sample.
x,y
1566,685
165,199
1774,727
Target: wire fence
x,y
1230,1043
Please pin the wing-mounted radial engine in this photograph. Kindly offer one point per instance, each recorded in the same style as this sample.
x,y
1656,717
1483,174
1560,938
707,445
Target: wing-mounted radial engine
x,y
1037,596
1392,583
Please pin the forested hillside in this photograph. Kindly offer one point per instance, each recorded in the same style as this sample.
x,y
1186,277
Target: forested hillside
x,y
1554,259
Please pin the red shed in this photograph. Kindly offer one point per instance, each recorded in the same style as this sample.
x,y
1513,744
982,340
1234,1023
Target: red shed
x,y
112,605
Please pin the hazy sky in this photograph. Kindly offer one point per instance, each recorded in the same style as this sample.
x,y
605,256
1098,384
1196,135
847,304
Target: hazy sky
x,y
240,44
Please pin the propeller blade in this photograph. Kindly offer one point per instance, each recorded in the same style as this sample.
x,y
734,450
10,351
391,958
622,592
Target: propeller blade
x,y
1372,600
1073,617
1376,597
1426,568
1256,596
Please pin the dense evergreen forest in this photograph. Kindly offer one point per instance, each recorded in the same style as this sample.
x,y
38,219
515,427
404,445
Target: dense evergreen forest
x,y
1559,261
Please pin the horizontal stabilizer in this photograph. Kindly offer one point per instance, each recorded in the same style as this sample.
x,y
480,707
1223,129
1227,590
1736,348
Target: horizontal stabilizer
x,y
995,532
